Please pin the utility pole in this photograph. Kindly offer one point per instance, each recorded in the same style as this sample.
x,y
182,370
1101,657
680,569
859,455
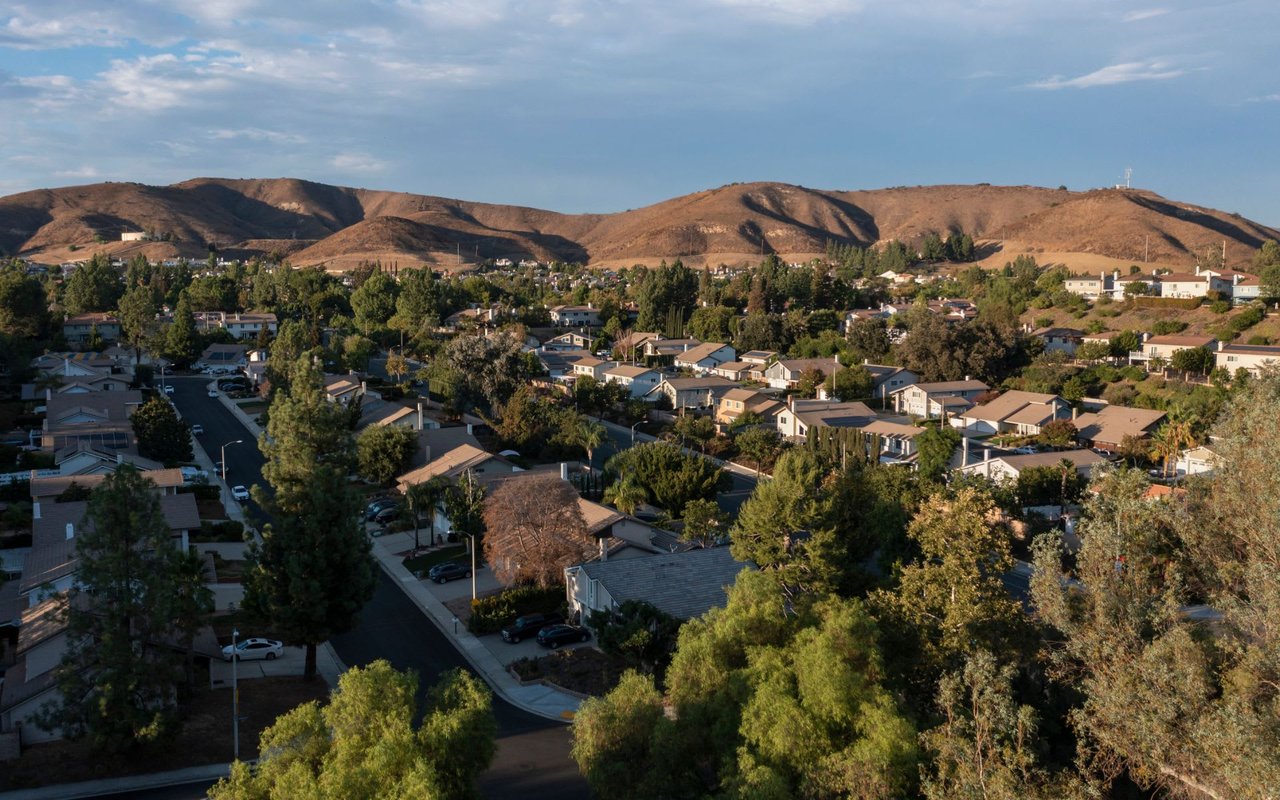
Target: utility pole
x,y
235,698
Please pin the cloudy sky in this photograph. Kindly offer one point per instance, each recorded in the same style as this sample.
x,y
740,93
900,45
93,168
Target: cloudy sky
x,y
592,105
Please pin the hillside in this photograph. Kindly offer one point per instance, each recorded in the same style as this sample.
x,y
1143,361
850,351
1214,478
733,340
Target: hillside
x,y
337,226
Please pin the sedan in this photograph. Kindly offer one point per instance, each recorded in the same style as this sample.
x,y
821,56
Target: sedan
x,y
168,388
255,648
220,468
240,493
373,508
386,515
213,392
447,571
197,430
555,635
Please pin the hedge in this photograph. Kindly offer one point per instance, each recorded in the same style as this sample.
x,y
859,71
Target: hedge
x,y
1186,303
489,614
226,531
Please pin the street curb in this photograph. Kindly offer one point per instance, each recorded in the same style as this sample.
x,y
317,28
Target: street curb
x,y
128,783
402,577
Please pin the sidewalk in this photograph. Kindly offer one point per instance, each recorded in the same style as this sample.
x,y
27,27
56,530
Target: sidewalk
x,y
536,698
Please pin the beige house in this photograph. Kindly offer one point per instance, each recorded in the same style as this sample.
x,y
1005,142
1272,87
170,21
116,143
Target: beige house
x,y
78,330
1017,412
1109,426
785,374
1004,467
1165,346
705,357
737,402
1251,357
691,392
943,398
592,367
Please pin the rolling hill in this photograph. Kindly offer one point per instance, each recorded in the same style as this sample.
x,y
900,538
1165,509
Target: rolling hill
x,y
318,224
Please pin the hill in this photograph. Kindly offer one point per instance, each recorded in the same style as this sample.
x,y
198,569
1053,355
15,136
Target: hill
x,y
336,226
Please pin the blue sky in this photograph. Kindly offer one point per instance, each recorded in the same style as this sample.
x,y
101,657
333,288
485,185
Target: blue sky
x,y
576,105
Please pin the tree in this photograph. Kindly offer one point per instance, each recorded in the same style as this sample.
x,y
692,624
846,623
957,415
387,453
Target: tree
x,y
375,301
487,370
181,342
137,318
850,383
534,529
869,338
24,309
704,522
135,594
1193,359
363,742
311,573
617,740
585,433
935,447
761,445
626,495
809,381
426,496
1058,433
384,451
671,478
1136,288
93,286
1093,352
161,434
464,506
694,428
356,352
397,365
640,633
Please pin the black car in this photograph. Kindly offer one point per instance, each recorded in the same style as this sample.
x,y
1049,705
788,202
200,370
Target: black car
x,y
555,635
386,515
529,625
447,571
376,506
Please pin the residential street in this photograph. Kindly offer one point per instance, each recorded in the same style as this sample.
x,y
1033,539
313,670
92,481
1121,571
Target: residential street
x,y
533,752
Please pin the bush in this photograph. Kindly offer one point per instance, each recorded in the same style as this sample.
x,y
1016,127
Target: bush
x,y
1165,327
1220,306
227,531
1043,322
1259,339
1247,318
489,614
1184,303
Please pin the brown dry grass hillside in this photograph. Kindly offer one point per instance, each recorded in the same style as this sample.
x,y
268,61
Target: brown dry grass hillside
x,y
337,226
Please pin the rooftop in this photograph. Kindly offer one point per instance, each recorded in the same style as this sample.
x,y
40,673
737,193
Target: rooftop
x,y
683,584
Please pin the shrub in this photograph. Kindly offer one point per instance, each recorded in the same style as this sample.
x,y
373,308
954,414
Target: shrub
x,y
1185,303
1220,306
227,531
1259,339
1165,327
489,614
1247,318
1043,322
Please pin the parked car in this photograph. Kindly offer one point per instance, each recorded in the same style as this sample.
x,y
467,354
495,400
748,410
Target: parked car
x,y
197,430
371,510
253,648
240,493
447,571
553,636
529,625
213,392
219,468
168,388
193,475
386,515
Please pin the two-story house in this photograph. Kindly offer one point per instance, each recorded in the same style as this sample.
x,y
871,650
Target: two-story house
x,y
705,357
1251,357
785,374
938,399
638,380
1017,412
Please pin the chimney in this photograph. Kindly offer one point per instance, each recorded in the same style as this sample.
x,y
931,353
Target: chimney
x,y
71,531
604,551
866,361
1075,412
964,452
470,428
419,415
1197,269
119,458
35,510
986,454
364,387
564,470
966,377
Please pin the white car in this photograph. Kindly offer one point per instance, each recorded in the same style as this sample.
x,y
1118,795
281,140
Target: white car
x,y
213,392
168,388
197,430
255,648
240,493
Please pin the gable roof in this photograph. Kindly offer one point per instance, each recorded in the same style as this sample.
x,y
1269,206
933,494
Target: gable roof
x,y
1113,423
1081,458
695,354
54,485
939,387
1182,341
449,464
1016,407
832,414
629,371
114,406
683,584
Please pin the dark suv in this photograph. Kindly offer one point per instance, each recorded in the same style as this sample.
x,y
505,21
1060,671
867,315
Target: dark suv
x,y
529,625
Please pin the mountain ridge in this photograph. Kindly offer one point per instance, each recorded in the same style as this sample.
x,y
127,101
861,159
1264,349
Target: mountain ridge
x,y
336,226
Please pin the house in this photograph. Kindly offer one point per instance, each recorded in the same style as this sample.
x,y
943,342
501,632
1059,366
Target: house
x,y
78,330
70,366
956,310
575,316
638,380
739,371
800,415
627,347
1199,283
1246,290
592,367
378,413
256,367
471,316
785,374
1251,357
455,461
1007,467
897,439
1059,340
230,357
569,341
1017,412
683,584
47,488
705,357
691,392
1198,460
1108,427
737,402
942,398
761,357
668,348
559,363
1165,346
1089,287
100,419
887,379
249,324
82,458
346,389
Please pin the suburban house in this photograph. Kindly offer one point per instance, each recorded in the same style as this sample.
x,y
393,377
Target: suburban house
x,y
684,584
953,309
82,458
1165,346
739,371
668,348
78,330
1251,357
1199,283
575,316
785,374
1059,340
1197,460
800,415
943,398
1246,290
691,392
887,379
705,357
256,367
1106,428
592,367
559,363
100,383
897,439
47,488
378,413
1006,467
455,461
761,357
1022,413
568,341
628,347
639,380
226,356
240,325
471,316
736,402
1089,287
97,418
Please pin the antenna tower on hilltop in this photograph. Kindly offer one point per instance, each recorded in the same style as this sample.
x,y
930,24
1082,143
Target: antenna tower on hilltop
x,y
1128,173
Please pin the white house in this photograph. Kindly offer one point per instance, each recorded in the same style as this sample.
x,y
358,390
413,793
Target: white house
x,y
785,374
1251,357
1165,346
929,400
1023,413
1005,467
691,392
1059,340
705,357
800,415
592,367
575,316
639,380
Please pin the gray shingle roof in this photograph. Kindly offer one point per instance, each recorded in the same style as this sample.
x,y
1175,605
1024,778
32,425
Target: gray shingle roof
x,y
684,585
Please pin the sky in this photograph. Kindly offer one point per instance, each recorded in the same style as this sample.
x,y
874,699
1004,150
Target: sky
x,y
582,105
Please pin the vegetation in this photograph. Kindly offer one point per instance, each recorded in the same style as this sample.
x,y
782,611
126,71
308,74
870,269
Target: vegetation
x,y
161,434
533,530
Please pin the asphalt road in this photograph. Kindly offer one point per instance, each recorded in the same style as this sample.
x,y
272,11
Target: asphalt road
x,y
533,760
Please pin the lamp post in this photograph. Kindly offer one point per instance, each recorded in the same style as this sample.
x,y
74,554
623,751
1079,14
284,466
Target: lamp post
x,y
224,457
633,433
235,698
472,538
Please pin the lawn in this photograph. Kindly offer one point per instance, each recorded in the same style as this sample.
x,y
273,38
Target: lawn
x,y
426,561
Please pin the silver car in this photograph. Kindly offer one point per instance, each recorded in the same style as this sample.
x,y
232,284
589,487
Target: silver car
x,y
253,648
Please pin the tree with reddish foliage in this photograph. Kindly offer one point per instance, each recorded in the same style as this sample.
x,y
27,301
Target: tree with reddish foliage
x,y
534,529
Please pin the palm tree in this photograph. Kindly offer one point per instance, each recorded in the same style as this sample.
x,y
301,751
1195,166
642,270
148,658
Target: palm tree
x,y
425,497
1167,442
626,495
588,435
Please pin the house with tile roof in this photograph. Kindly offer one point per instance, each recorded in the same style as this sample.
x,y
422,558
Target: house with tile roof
x,y
1017,412
705,357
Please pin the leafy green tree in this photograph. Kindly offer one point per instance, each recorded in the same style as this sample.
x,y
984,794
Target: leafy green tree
x,y
487,370
761,445
464,506
138,323
672,478
311,573
1093,352
850,383
181,341
626,494
161,434
384,451
639,632
869,338
93,286
1058,433
426,496
1193,359
809,381
293,339
356,352
935,447
712,323
363,742
375,301
704,522
618,740
24,308
694,429
135,595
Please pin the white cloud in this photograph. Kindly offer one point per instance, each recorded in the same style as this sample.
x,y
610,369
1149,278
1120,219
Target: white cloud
x,y
80,173
1112,75
357,162
257,135
795,12
1145,13
1266,98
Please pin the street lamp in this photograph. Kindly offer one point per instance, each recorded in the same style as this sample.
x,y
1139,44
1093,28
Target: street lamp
x,y
224,457
472,538
235,698
633,433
